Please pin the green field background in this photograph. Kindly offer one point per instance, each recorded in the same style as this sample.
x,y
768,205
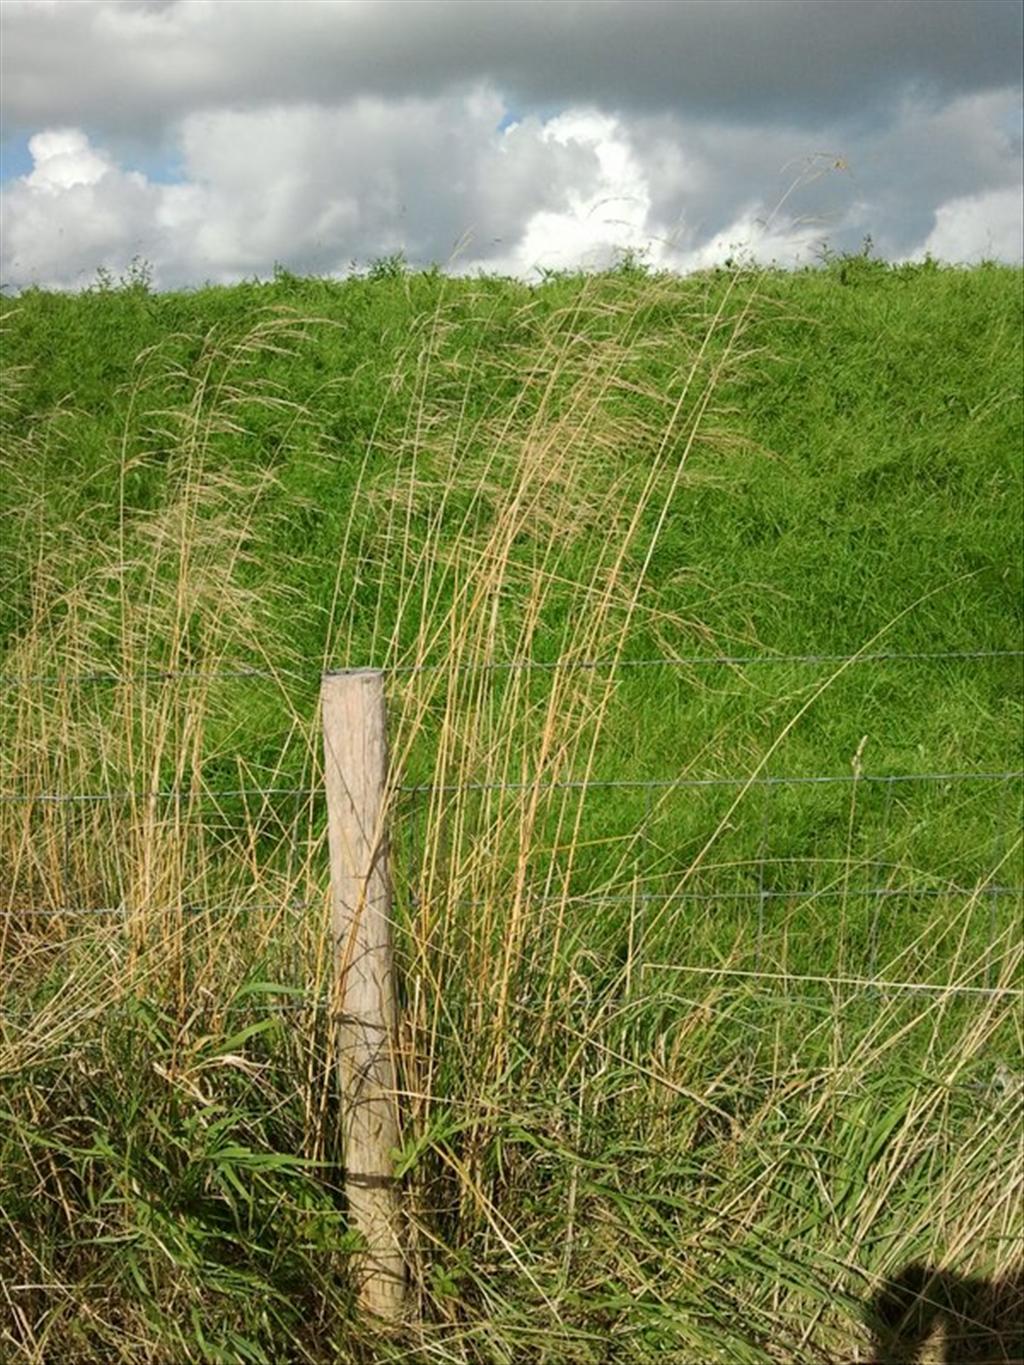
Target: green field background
x,y
691,1064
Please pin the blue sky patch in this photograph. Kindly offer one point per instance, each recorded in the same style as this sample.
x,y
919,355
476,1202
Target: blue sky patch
x,y
161,168
15,158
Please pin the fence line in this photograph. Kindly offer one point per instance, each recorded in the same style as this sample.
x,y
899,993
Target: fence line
x,y
796,893
585,898
508,665
188,908
764,983
579,784
860,983
874,988
715,660
652,784
145,676
168,794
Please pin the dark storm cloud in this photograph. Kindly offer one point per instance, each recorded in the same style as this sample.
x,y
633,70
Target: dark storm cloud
x,y
121,68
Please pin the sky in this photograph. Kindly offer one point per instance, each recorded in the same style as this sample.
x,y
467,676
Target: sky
x,y
219,139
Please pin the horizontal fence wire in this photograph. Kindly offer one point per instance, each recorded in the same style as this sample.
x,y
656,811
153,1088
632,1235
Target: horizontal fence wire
x,y
858,983
739,896
182,908
717,660
579,784
662,783
146,676
167,794
584,898
297,1000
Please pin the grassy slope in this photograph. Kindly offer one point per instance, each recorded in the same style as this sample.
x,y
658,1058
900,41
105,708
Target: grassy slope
x,y
326,491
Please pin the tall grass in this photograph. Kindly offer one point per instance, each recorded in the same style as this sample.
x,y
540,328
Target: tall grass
x,y
637,1122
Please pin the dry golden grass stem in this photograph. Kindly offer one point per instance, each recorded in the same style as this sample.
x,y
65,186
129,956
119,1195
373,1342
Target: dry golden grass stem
x,y
172,582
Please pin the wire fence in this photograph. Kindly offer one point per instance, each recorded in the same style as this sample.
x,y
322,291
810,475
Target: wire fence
x,y
293,1001
875,886
723,660
145,677
181,794
802,895
733,780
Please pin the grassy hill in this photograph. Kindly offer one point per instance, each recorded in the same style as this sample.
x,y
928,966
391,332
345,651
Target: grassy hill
x,y
700,602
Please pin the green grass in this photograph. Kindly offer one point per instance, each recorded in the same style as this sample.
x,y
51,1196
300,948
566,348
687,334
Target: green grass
x,y
678,1081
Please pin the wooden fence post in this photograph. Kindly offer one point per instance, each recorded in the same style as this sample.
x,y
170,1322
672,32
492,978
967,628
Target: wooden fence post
x,y
355,774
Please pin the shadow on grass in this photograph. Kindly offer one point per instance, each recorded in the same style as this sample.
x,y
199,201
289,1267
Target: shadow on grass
x,y
970,1321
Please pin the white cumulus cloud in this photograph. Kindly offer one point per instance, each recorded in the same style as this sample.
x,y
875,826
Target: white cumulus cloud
x,y
596,222
976,227
312,188
316,188
63,158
